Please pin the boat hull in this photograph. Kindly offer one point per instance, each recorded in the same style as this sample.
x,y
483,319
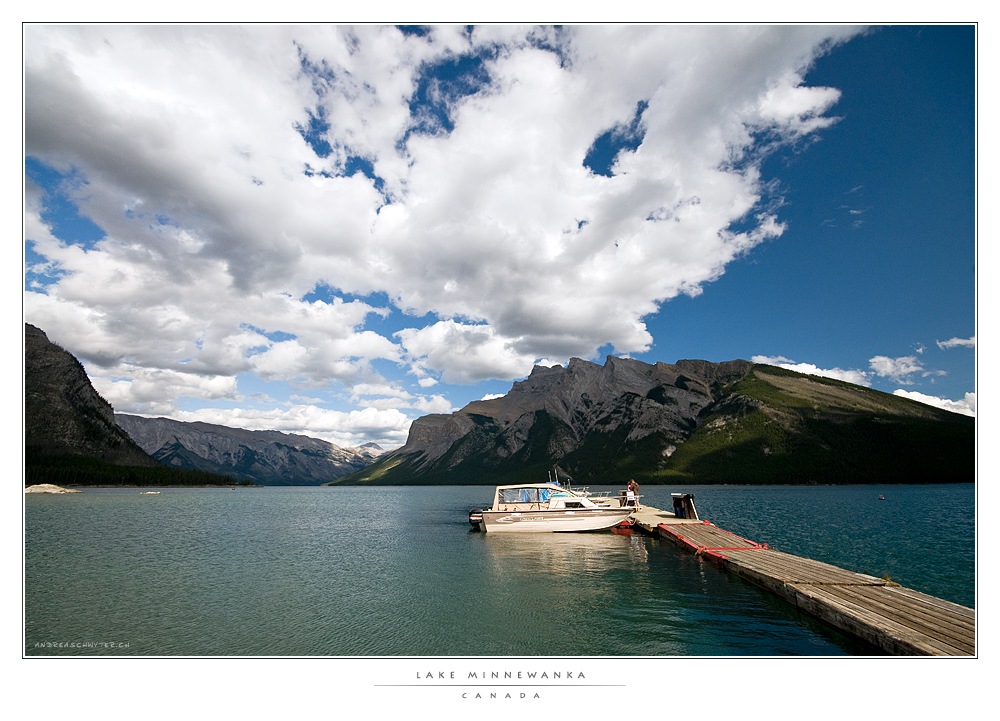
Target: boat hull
x,y
553,521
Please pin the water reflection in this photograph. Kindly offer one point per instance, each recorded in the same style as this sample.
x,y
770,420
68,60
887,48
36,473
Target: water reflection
x,y
564,554
637,547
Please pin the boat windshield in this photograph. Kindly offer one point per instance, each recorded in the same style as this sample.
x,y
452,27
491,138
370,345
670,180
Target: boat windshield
x,y
525,495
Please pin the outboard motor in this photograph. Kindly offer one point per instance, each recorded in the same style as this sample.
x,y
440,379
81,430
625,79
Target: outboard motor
x,y
476,517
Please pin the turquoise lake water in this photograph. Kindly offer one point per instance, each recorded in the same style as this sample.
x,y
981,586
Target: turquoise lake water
x,y
397,571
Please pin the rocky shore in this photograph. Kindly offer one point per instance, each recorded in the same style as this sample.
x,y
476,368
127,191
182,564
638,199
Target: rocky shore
x,y
49,488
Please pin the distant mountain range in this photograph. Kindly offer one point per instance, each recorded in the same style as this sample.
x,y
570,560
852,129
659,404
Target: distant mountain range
x,y
264,457
73,437
690,422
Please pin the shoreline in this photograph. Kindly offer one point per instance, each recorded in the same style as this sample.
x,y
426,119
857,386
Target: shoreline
x,y
69,489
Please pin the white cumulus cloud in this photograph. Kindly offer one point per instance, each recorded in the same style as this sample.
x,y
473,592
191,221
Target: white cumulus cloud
x,y
901,370
851,376
966,406
236,170
387,427
957,343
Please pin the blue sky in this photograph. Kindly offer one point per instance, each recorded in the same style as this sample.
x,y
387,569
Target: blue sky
x,y
333,230
879,255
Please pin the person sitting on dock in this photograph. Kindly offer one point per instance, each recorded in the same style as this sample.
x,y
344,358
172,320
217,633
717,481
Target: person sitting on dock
x,y
632,494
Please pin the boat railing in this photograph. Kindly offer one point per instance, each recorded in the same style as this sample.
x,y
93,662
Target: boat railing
x,y
622,497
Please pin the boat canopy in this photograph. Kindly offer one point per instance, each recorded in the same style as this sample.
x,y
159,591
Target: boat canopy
x,y
525,494
539,494
530,492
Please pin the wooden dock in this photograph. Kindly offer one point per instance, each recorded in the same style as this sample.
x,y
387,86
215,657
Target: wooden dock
x,y
897,620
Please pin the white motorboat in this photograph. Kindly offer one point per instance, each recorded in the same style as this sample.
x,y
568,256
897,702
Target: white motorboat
x,y
546,507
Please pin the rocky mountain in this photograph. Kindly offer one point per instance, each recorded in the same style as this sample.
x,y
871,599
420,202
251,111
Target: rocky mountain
x,y
64,415
264,457
690,422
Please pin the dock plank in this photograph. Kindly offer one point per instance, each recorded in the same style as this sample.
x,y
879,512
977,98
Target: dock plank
x,y
947,606
916,618
931,639
794,569
712,537
926,609
884,633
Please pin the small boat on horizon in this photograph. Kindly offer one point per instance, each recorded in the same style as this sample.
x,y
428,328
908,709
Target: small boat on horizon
x,y
546,507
